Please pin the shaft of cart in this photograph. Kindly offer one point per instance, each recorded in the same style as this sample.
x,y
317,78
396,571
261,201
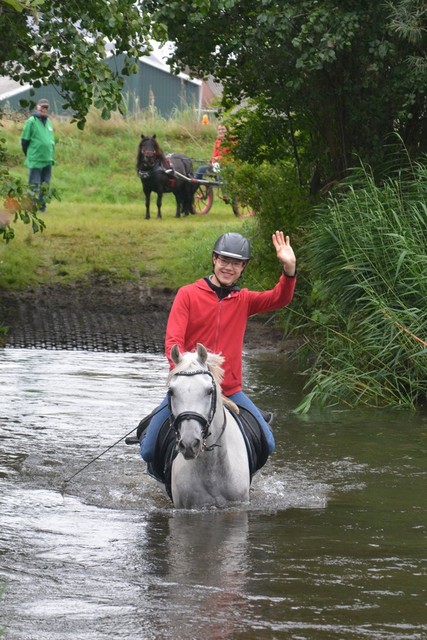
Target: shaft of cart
x,y
210,183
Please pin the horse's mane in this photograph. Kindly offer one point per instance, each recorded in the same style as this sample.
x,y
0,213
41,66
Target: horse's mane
x,y
190,361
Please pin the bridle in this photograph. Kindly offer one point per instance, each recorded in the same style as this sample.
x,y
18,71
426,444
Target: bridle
x,y
205,423
149,157
149,161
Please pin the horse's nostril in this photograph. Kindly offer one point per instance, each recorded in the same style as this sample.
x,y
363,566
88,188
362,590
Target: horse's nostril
x,y
189,450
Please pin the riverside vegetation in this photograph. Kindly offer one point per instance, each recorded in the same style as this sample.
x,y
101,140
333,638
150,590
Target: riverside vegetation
x,y
362,264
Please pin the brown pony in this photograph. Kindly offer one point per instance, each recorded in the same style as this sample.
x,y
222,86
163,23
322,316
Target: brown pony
x,y
157,173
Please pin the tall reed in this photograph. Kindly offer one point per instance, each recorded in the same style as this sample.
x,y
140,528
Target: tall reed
x,y
367,256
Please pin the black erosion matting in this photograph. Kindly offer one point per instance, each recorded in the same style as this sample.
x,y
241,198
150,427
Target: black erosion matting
x,y
44,324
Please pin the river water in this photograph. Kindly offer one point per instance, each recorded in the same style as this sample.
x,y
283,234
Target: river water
x,y
332,545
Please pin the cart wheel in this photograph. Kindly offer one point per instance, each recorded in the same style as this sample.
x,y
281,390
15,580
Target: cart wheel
x,y
203,199
242,210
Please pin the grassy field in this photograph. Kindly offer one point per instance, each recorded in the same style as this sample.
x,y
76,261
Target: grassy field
x,y
98,226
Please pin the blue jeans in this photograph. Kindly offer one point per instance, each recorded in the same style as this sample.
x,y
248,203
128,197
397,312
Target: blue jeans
x,y
148,441
36,178
201,171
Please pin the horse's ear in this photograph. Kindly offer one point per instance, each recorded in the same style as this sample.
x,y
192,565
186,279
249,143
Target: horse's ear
x,y
202,354
154,136
175,354
142,136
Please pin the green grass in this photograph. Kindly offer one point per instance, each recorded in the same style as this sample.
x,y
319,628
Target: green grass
x,y
81,240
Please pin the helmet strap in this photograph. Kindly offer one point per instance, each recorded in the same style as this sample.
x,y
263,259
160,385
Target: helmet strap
x,y
224,286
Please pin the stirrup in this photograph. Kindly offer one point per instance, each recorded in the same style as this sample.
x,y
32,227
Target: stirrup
x,y
139,430
268,416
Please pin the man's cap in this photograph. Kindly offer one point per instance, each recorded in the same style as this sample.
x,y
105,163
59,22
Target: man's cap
x,y
42,102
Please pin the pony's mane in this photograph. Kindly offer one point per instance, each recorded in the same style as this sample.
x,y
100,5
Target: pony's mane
x,y
190,362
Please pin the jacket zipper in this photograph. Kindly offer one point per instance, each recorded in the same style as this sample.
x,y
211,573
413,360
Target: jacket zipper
x,y
218,318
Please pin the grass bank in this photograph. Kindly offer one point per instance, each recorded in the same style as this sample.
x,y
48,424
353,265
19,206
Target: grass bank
x,y
83,240
98,225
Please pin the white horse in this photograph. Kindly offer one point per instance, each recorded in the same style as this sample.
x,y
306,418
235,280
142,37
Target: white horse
x,y
211,468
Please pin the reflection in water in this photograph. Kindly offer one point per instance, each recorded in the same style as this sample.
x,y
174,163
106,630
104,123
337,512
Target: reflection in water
x,y
199,565
332,545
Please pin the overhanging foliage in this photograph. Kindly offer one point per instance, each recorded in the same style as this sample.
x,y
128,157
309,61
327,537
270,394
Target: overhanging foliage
x,y
351,72
64,43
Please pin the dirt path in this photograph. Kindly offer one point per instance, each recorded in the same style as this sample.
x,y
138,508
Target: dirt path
x,y
102,316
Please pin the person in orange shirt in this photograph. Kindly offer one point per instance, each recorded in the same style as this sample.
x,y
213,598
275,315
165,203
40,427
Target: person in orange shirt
x,y
219,150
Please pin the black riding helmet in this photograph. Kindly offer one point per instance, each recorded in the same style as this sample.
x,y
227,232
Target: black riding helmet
x,y
233,245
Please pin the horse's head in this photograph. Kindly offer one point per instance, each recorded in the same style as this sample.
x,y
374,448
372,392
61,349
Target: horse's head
x,y
194,393
149,153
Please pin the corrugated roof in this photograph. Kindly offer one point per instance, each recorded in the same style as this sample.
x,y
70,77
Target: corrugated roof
x,y
154,61
9,87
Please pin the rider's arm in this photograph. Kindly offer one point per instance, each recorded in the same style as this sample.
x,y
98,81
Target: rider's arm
x,y
283,292
272,299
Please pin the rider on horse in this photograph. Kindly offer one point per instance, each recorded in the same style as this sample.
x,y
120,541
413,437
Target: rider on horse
x,y
214,311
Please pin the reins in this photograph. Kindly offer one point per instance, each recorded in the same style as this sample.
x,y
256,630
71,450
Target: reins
x,y
215,444
105,451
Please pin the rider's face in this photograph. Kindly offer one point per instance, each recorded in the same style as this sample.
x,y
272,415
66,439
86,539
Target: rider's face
x,y
227,270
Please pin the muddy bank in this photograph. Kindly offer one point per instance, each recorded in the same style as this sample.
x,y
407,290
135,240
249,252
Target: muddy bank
x,y
104,316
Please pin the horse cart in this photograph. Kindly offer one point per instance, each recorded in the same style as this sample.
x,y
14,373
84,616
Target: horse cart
x,y
210,185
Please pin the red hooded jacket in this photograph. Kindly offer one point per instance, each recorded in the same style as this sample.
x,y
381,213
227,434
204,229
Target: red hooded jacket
x,y
197,315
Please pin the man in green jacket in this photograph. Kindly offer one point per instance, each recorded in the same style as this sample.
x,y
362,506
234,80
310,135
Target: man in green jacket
x,y
38,145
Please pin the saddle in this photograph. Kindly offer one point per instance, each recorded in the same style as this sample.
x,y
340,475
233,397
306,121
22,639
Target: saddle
x,y
165,451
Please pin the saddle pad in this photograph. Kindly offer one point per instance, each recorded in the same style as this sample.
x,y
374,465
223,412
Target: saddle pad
x,y
164,454
255,440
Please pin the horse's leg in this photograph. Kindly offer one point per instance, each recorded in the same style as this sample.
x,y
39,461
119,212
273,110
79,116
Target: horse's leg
x,y
184,200
178,205
191,191
181,197
188,199
147,193
159,203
